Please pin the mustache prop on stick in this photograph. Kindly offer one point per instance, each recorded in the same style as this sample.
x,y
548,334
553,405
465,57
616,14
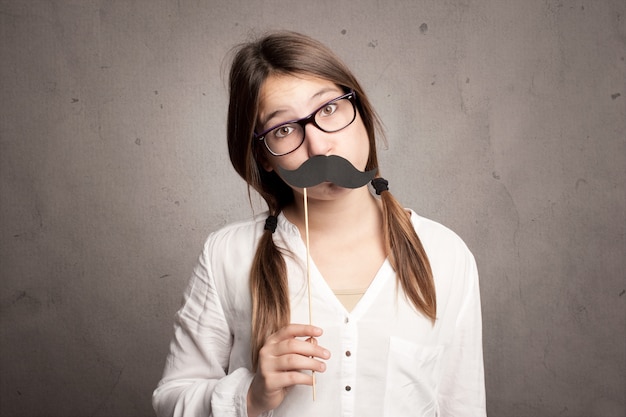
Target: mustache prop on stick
x,y
321,168
314,171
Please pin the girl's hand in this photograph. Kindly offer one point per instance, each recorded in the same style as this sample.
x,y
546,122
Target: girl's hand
x,y
282,359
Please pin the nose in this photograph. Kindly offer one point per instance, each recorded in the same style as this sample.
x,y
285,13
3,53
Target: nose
x,y
316,141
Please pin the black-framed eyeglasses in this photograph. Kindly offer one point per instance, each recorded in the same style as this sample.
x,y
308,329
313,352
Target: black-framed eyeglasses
x,y
333,116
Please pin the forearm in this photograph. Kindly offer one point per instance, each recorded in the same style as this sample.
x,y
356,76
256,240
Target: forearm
x,y
224,397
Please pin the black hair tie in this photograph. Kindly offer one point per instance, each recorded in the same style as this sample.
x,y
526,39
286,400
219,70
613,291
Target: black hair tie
x,y
270,223
380,185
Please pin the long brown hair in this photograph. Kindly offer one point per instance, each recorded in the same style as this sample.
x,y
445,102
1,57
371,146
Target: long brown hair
x,y
282,53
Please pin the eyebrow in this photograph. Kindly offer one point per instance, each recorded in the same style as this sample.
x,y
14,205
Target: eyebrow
x,y
277,112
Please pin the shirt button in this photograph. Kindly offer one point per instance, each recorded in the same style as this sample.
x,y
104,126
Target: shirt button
x,y
346,320
348,353
348,387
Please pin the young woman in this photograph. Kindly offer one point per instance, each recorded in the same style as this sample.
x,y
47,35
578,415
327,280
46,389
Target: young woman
x,y
391,322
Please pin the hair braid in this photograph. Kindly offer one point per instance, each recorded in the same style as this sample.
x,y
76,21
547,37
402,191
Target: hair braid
x,y
407,256
270,295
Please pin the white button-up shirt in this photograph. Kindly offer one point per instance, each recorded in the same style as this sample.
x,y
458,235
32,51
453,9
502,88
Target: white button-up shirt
x,y
387,359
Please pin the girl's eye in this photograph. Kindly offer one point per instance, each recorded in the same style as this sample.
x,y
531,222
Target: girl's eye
x,y
328,109
282,131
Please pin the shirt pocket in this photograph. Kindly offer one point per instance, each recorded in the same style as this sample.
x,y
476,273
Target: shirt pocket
x,y
413,372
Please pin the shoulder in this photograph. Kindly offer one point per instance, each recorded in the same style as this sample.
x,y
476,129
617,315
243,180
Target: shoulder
x,y
238,236
227,255
437,237
449,257
229,250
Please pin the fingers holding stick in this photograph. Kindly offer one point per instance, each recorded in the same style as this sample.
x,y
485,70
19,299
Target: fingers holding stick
x,y
283,361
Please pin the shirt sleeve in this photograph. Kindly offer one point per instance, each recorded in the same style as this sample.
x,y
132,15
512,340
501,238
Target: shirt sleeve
x,y
195,380
462,390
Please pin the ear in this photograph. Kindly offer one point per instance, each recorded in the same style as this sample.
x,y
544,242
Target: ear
x,y
264,162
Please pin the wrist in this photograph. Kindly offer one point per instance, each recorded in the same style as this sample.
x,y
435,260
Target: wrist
x,y
253,410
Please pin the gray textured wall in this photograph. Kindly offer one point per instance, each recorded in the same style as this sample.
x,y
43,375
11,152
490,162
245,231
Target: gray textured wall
x,y
506,122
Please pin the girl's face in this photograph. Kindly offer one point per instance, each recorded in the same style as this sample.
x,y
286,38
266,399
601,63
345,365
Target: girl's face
x,y
288,97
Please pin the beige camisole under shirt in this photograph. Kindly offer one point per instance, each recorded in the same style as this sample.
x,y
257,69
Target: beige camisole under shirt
x,y
350,297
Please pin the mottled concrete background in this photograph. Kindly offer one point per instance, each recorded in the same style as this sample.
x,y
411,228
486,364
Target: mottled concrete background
x,y
506,121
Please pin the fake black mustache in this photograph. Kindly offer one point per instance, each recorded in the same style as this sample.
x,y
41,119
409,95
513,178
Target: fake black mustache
x,y
321,168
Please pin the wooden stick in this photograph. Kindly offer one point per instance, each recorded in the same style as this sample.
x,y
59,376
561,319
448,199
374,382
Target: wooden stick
x,y
308,269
